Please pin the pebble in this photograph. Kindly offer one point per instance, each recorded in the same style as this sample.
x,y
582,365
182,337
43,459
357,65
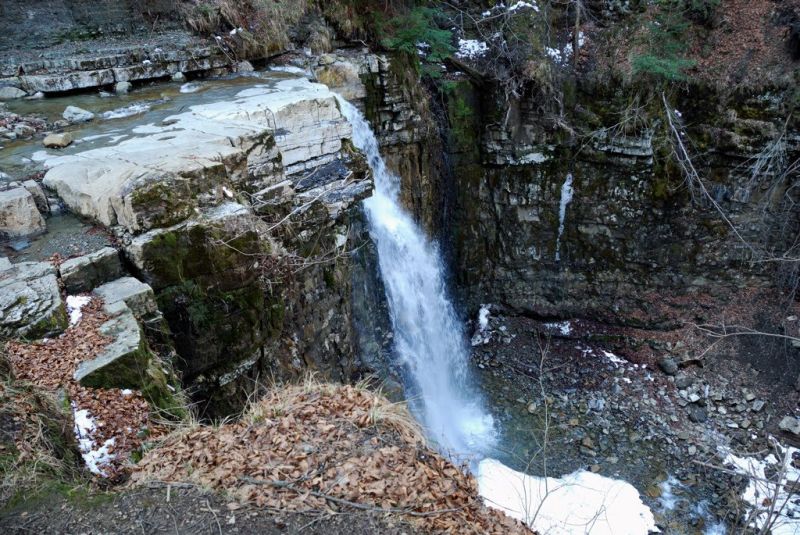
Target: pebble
x,y
746,423
758,405
683,381
668,365
790,424
697,414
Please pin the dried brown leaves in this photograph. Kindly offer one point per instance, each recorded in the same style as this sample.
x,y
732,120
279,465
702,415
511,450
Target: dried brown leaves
x,y
302,445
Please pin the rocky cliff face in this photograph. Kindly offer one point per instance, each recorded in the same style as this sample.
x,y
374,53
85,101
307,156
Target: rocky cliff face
x,y
240,213
598,224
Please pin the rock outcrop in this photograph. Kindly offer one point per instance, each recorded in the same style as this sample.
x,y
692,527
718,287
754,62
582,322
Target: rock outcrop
x,y
30,301
127,361
239,214
202,156
628,231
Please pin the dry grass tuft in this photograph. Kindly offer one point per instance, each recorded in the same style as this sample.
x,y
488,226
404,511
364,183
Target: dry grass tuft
x,y
36,441
262,27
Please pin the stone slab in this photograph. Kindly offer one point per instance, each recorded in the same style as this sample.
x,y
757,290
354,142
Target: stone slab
x,y
84,273
137,295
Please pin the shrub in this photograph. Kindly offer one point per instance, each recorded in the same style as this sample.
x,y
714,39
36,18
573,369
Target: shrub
x,y
666,37
418,27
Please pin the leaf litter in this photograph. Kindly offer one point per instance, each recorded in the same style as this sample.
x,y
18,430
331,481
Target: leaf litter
x,y
326,447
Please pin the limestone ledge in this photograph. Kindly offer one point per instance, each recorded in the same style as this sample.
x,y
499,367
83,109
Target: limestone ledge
x,y
202,157
126,64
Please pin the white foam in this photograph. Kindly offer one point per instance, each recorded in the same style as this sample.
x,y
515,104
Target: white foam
x,y
127,111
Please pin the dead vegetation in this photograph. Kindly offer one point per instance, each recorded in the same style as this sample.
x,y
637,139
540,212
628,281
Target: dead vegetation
x,y
49,365
320,447
36,442
252,28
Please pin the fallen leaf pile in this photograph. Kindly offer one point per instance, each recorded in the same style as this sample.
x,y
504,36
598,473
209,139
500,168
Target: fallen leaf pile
x,y
50,365
325,447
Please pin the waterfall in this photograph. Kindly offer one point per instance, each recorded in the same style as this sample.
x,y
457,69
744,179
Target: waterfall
x,y
429,342
566,198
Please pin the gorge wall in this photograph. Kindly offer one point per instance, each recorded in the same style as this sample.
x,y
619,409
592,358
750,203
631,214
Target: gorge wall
x,y
639,241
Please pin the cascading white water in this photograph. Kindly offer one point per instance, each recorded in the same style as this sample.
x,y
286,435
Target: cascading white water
x,y
566,198
429,340
430,343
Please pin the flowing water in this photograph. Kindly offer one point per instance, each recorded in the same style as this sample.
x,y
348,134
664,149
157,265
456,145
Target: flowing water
x,y
429,340
431,347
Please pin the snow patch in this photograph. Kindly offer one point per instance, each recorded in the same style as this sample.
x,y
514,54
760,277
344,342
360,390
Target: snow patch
x,y
566,198
483,317
94,457
564,327
522,5
471,48
617,361
578,503
481,335
74,305
291,69
764,488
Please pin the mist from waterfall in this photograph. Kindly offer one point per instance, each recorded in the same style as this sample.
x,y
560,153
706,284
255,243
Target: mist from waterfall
x,y
429,341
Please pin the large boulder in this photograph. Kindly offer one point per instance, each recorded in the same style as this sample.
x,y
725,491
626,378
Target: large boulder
x,y
30,301
203,156
39,198
9,92
84,273
127,361
18,213
58,141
